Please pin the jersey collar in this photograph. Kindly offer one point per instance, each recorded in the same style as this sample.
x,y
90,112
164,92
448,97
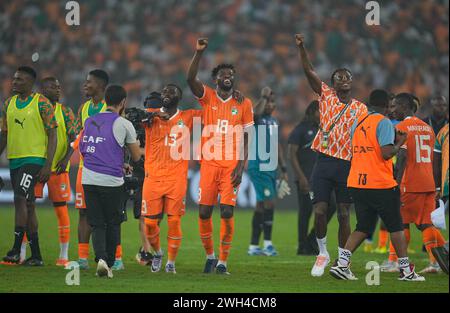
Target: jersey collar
x,y
176,113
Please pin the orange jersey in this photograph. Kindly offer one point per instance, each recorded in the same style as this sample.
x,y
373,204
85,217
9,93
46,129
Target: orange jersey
x,y
418,174
167,145
339,142
369,170
223,124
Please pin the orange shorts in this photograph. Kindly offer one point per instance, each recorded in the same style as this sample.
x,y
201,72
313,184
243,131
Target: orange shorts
x,y
214,181
79,191
167,197
58,188
417,207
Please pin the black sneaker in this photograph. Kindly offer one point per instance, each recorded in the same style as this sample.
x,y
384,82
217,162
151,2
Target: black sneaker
x,y
33,262
222,270
210,265
12,257
342,272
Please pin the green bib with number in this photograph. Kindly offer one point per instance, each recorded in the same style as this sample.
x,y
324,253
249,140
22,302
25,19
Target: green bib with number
x,y
62,144
26,133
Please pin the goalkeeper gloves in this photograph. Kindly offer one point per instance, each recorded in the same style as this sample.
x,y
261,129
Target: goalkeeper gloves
x,y
283,189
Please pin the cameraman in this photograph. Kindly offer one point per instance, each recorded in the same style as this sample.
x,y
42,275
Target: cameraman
x,y
135,181
102,144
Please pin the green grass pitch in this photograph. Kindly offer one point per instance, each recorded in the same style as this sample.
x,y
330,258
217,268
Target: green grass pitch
x,y
284,273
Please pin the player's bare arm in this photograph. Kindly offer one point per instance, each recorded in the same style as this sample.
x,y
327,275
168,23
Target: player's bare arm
x,y
300,175
313,79
437,172
194,83
3,140
400,165
236,175
260,105
4,131
135,151
390,151
44,173
282,163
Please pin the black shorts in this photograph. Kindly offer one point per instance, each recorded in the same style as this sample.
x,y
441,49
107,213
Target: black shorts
x,y
104,205
330,174
371,203
23,180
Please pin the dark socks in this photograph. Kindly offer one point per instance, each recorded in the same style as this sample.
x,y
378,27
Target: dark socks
x,y
267,225
19,232
258,220
34,246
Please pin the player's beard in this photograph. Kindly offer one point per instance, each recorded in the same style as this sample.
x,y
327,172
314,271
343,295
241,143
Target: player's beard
x,y
225,87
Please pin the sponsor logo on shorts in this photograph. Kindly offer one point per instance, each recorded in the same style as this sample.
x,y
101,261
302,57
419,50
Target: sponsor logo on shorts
x,y
267,192
63,187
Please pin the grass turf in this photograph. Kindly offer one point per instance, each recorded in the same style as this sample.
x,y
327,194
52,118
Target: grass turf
x,y
284,273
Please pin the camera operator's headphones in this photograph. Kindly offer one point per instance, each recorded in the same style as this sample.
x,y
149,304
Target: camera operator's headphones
x,y
153,100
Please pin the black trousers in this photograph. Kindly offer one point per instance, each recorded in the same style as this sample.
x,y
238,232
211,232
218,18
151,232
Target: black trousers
x,y
305,210
105,213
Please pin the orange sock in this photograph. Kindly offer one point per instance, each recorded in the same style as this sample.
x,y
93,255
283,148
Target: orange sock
x,y
226,237
382,238
439,238
430,241
152,233
206,230
25,239
62,213
392,255
119,252
174,236
83,250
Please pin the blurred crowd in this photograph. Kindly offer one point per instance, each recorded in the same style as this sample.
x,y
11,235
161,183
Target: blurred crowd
x,y
145,44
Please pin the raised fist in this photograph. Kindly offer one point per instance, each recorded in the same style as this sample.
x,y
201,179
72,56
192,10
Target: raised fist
x,y
299,39
202,43
266,92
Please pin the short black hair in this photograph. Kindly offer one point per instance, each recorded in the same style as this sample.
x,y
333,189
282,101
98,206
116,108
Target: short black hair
x,y
29,70
416,101
379,98
177,87
338,70
438,97
101,75
153,100
406,99
114,94
219,67
48,79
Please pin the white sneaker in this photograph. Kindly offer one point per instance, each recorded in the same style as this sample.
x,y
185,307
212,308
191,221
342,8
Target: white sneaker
x,y
156,263
320,265
170,268
433,268
389,267
342,272
411,276
103,269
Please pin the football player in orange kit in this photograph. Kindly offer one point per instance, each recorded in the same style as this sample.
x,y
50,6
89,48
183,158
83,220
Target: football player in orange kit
x,y
167,145
225,120
414,175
